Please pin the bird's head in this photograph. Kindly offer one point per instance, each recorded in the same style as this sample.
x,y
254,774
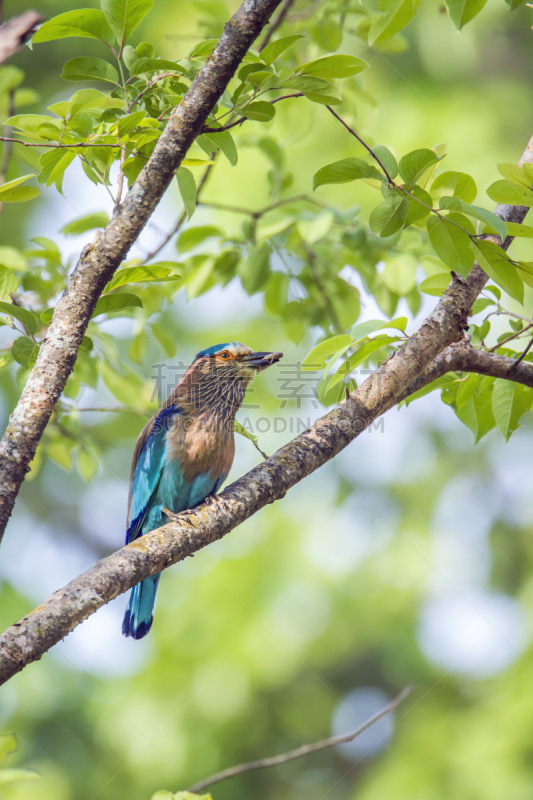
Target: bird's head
x,y
234,361
219,375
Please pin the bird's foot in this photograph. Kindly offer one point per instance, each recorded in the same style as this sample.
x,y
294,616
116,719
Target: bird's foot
x,y
170,514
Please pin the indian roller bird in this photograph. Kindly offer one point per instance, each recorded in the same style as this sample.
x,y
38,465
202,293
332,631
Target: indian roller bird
x,y
185,453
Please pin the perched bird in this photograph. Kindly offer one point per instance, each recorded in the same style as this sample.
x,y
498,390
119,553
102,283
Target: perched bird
x,y
185,453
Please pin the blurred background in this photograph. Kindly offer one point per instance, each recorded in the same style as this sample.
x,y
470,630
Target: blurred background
x,y
406,560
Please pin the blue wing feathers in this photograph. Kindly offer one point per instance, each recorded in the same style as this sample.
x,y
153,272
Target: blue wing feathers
x,y
158,482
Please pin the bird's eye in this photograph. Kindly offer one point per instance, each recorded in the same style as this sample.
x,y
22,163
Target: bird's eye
x,y
225,355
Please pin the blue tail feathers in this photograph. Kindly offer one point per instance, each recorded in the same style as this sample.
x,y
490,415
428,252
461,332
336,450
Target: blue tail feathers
x,y
140,610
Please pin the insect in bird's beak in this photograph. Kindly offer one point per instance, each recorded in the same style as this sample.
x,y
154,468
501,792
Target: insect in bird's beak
x,y
260,360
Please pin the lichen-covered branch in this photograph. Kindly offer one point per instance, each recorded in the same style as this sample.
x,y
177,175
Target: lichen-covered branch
x,y
100,259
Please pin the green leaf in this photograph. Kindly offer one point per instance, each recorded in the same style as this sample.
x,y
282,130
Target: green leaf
x,y
12,775
399,274
336,65
451,244
511,194
362,329
116,302
150,274
260,111
514,229
187,187
254,270
19,194
514,174
49,249
87,465
25,352
123,16
456,204
414,164
204,48
8,745
456,184
462,11
192,237
417,211
387,159
510,401
492,260
124,385
344,171
11,184
197,280
28,319
275,49
86,223
223,140
8,283
323,99
389,216
142,66
53,166
435,285
316,359
85,23
86,68
392,22
127,124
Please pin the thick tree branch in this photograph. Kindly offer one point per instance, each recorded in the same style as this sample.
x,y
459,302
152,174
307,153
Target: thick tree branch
x,y
304,750
100,259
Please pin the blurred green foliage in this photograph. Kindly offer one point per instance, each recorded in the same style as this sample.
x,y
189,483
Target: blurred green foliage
x,y
408,559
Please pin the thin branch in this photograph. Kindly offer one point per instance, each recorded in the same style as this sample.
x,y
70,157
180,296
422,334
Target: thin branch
x,y
304,750
525,352
276,23
112,409
46,144
374,156
243,119
261,211
143,91
510,338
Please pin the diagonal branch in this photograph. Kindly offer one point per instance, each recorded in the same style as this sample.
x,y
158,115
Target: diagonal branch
x,y
99,260
304,750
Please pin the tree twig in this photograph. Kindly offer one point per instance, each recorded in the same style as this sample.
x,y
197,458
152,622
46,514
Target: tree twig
x,y
304,750
243,119
276,23
374,156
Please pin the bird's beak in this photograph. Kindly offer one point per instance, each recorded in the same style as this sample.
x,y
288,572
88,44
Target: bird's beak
x,y
260,361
